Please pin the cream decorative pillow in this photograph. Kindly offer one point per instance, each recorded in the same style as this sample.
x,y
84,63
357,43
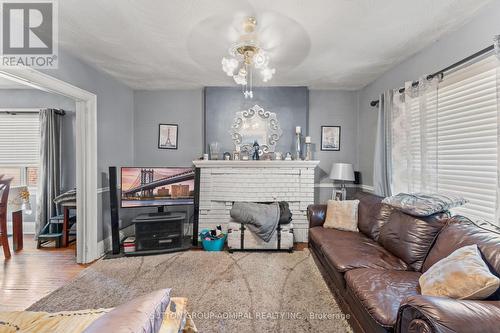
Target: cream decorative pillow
x,y
342,215
461,275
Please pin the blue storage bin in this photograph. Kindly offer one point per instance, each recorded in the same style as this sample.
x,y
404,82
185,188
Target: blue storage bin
x,y
215,244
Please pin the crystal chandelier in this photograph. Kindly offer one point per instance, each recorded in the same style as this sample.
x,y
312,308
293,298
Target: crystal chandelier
x,y
246,57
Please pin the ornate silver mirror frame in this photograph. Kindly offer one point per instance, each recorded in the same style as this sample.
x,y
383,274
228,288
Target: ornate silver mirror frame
x,y
256,124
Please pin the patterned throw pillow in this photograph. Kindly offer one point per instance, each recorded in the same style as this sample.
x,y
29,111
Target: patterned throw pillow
x,y
424,204
461,275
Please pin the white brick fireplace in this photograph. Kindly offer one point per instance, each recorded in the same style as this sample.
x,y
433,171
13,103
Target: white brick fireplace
x,y
224,182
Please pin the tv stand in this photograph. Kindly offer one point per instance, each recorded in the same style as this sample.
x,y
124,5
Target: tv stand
x,y
159,233
160,214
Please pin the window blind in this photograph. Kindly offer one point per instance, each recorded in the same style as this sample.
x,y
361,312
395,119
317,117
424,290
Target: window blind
x,y
19,139
467,137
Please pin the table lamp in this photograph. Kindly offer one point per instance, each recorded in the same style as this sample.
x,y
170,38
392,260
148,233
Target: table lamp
x,y
343,172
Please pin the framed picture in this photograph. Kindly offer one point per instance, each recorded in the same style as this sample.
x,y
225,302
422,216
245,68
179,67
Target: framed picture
x,y
330,138
337,195
167,136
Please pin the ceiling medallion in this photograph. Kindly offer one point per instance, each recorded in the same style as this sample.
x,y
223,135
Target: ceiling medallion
x,y
246,56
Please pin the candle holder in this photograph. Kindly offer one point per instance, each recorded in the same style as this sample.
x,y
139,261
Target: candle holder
x,y
308,154
297,148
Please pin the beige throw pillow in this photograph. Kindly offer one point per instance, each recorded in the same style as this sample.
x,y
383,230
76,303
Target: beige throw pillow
x,y
342,215
461,275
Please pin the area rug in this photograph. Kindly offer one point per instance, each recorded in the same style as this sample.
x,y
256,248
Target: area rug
x,y
239,292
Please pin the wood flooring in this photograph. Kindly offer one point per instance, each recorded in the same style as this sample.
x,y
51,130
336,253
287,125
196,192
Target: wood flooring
x,y
32,273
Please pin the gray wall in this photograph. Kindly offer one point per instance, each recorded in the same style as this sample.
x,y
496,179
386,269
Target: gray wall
x,y
289,103
115,119
32,98
472,37
182,107
185,107
332,108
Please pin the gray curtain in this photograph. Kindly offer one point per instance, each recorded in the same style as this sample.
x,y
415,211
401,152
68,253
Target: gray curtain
x,y
382,158
49,171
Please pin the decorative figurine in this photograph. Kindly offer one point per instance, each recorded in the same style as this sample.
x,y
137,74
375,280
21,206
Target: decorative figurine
x,y
256,148
288,156
227,156
278,156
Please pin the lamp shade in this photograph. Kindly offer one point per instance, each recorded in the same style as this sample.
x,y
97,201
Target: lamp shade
x,y
342,171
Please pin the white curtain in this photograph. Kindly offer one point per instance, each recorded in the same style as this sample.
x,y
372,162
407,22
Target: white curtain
x,y
413,138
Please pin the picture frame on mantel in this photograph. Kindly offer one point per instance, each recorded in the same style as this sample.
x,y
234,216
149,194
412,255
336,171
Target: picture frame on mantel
x,y
168,135
330,138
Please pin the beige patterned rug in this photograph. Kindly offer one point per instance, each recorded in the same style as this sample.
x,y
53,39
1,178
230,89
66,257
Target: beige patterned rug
x,y
239,292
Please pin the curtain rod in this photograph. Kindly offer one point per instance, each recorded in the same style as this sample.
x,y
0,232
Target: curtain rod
x,y
442,71
60,112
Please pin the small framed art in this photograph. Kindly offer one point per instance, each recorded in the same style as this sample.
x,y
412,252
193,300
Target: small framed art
x,y
168,135
330,138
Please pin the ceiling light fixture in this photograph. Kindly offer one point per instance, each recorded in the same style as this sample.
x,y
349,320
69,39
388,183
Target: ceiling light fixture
x,y
245,56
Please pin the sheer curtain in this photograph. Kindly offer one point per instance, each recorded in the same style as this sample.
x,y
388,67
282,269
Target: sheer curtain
x,y
408,121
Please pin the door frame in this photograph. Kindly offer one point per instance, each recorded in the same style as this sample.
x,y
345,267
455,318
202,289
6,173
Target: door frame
x,y
86,153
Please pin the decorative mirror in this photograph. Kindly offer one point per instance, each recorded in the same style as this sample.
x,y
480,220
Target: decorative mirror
x,y
256,124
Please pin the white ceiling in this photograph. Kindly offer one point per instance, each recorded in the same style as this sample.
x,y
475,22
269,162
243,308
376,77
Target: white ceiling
x,y
331,44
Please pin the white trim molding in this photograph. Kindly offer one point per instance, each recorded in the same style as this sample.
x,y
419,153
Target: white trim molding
x,y
86,152
366,188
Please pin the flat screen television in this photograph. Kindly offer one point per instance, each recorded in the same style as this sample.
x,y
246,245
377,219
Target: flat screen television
x,y
154,187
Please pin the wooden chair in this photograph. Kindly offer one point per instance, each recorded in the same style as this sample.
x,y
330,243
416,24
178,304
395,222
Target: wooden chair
x,y
4,196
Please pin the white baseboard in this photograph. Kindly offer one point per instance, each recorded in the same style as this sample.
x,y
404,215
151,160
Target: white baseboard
x,y
28,228
104,246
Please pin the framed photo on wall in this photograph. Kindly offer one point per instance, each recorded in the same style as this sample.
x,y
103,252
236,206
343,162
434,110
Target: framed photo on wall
x,y
330,138
167,136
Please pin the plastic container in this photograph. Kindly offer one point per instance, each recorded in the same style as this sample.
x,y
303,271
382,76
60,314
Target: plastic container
x,y
214,244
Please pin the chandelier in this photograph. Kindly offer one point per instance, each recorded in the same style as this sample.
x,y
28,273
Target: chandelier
x,y
246,56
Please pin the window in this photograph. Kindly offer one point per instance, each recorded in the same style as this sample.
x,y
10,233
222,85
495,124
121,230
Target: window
x,y
20,147
467,137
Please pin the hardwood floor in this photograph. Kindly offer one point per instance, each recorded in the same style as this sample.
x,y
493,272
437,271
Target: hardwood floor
x,y
32,273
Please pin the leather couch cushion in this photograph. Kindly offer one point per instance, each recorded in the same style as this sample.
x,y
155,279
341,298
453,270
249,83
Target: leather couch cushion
x,y
382,291
409,237
347,250
460,232
372,213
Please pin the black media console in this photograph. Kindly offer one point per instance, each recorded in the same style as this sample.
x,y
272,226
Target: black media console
x,y
159,233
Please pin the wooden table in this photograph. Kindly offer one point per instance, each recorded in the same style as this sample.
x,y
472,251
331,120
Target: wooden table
x,y
17,230
65,237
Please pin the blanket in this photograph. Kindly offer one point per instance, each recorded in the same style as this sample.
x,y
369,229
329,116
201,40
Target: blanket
x,y
262,219
178,321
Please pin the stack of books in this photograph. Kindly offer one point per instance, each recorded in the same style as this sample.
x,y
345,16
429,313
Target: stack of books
x,y
129,245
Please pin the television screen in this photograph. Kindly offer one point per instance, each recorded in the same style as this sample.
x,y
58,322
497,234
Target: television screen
x,y
146,187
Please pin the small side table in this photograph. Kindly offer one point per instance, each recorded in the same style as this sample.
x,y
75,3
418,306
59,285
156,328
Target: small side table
x,y
17,230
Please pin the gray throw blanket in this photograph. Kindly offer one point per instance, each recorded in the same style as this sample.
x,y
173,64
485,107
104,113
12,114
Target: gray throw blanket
x,y
262,219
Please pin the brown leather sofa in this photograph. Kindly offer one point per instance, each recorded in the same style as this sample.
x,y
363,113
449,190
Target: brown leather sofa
x,y
374,272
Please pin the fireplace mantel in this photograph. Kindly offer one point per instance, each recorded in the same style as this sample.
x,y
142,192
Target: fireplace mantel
x,y
224,182
254,164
